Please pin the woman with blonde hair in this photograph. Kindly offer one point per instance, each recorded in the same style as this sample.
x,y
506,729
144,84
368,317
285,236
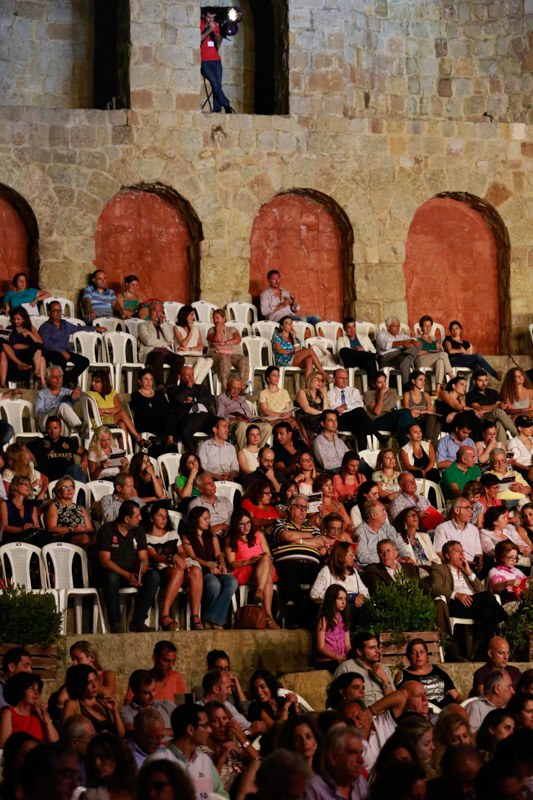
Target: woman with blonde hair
x,y
225,349
313,400
100,451
65,518
451,730
18,513
19,461
108,402
386,475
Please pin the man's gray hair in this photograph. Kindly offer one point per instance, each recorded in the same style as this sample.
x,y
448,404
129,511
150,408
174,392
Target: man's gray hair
x,y
275,771
390,320
198,481
496,452
291,500
494,677
368,510
386,541
74,727
145,718
337,738
50,368
456,501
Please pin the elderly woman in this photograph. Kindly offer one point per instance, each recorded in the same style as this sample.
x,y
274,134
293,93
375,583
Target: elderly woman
x,y
18,513
69,521
129,302
225,350
458,350
190,343
439,686
496,528
101,465
313,400
22,296
418,456
108,402
513,487
340,569
19,461
332,529
418,401
521,446
517,393
288,351
505,575
431,354
25,346
417,542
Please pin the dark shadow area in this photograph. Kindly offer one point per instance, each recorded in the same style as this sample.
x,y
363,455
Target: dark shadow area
x,y
24,211
111,54
271,29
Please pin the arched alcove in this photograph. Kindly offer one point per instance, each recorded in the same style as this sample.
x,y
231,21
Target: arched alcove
x,y
308,237
457,267
19,239
151,231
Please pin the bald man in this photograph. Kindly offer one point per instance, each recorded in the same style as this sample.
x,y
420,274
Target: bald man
x,y
498,658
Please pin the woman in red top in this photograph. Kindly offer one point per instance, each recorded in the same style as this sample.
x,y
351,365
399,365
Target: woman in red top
x,y
348,481
256,501
24,711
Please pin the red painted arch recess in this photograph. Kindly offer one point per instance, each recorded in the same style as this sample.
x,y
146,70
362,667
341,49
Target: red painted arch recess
x,y
451,271
301,239
13,245
140,233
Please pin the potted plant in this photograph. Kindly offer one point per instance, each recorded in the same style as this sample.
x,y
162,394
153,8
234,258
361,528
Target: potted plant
x,y
518,630
31,620
398,612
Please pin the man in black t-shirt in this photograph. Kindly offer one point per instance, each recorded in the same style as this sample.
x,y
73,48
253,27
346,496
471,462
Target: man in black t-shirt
x,y
490,404
123,555
54,453
285,448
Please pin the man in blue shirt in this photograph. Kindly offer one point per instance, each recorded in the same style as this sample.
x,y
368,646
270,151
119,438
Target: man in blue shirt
x,y
97,300
56,346
449,445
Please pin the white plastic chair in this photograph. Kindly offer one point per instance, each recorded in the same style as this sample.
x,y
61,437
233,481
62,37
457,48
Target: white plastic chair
x,y
61,555
175,517
204,310
91,415
392,371
78,487
329,329
91,345
241,312
426,487
18,556
67,306
244,328
39,319
132,326
301,702
171,309
468,700
12,411
228,489
404,328
110,323
99,489
4,320
301,328
168,469
265,328
435,328
259,352
117,346
370,457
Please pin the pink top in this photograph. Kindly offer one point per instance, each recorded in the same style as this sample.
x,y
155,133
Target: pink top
x,y
344,488
499,574
334,640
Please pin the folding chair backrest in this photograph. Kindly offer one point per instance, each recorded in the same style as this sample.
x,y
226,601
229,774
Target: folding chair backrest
x,y
13,412
18,555
168,468
265,328
61,555
241,312
110,323
257,347
118,344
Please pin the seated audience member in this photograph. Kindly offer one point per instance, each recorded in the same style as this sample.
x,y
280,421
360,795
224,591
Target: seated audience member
x,y
24,348
349,479
57,351
15,660
329,505
81,684
451,729
473,490
18,513
509,491
389,569
419,732
496,528
386,475
24,711
459,351
368,492
464,469
372,530
129,304
526,517
520,707
167,554
342,775
68,521
487,443
22,295
348,403
301,734
276,302
147,484
339,570
147,732
124,489
97,300
168,681
312,402
297,548
408,498
432,353
351,351
108,402
497,658
152,411
102,456
275,403
497,691
418,456
225,350
56,401
121,548
217,455
496,727
257,501
397,349
83,652
452,402
190,343
288,351
142,685
464,594
190,729
220,508
248,457
419,403
439,686
521,446
459,528
328,448
285,447
267,705
449,445
177,783
365,661
248,557
332,529
505,579
54,453
517,393
117,777
188,470
346,686
332,642
488,403
303,471
19,461
231,762
218,659
202,545
418,543
191,405
76,733
233,406
490,487
216,688
382,408
156,339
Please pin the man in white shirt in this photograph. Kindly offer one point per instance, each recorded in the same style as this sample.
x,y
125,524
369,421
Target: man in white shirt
x,y
376,722
497,692
277,302
397,349
348,403
328,448
460,529
217,456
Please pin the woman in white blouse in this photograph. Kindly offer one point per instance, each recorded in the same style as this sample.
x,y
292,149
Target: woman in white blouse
x,y
418,543
190,343
496,528
521,446
339,569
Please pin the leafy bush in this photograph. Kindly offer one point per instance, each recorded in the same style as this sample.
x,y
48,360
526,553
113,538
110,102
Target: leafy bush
x,y
518,630
28,618
400,607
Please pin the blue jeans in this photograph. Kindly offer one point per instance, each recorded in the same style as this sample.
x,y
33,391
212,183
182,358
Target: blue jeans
x,y
216,598
144,599
312,319
396,421
472,361
212,71
7,431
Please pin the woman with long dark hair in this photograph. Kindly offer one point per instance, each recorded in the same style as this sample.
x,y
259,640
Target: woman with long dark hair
x,y
333,629
148,486
81,682
111,769
25,346
267,705
190,343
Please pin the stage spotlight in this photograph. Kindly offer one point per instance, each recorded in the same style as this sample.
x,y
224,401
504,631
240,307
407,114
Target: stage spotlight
x,y
234,14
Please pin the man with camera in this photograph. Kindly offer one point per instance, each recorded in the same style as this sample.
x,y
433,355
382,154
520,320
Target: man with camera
x,y
211,67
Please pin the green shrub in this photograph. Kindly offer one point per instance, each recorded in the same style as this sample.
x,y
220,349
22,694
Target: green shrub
x,y
518,630
28,618
400,607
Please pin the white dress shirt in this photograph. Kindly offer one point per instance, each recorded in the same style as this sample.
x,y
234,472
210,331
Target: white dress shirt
x,y
468,536
384,341
352,398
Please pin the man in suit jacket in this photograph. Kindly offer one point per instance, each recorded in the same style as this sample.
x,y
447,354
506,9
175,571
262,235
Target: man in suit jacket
x,y
459,593
155,342
192,404
389,568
